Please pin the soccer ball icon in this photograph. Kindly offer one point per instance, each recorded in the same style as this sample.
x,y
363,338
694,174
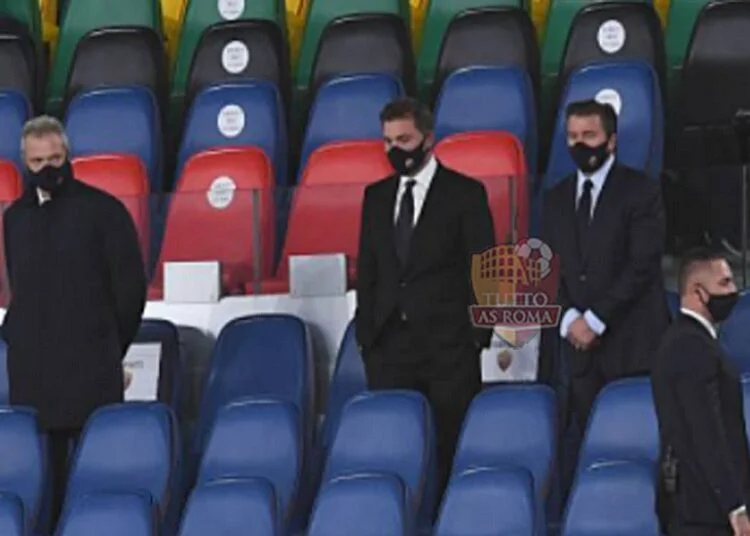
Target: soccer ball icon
x,y
537,256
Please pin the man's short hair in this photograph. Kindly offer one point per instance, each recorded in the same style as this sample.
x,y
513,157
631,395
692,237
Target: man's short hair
x,y
409,108
41,126
587,108
694,260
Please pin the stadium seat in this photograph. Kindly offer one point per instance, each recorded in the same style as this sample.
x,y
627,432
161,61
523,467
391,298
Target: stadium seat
x,y
200,16
622,426
616,499
240,367
683,16
361,504
387,432
489,37
22,472
496,159
257,438
123,176
735,336
241,50
440,14
375,43
11,188
116,57
221,200
327,205
237,114
348,108
28,13
322,13
485,501
109,459
90,124
21,67
114,514
12,522
165,333
231,506
489,98
81,17
4,393
348,380
673,301
15,110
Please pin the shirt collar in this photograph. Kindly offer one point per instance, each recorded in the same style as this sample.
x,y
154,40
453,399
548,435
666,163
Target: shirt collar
x,y
425,175
42,196
705,323
597,177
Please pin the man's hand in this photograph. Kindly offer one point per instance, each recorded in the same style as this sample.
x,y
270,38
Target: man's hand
x,y
127,377
740,524
581,335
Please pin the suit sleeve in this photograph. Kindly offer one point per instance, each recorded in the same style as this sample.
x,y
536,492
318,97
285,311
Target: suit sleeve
x,y
696,387
549,237
127,274
7,282
479,236
366,274
646,236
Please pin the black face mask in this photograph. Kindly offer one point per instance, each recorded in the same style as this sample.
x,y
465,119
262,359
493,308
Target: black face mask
x,y
720,305
50,178
587,158
407,162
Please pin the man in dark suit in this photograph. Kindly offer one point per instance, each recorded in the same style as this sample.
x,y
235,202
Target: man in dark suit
x,y
606,222
420,228
698,399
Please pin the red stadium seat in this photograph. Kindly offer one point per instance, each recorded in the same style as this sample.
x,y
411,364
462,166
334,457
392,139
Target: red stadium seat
x,y
493,157
11,187
327,206
125,177
211,216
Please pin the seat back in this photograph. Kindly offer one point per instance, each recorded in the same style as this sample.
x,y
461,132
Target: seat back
x,y
20,68
115,514
23,464
165,333
257,438
735,336
12,522
27,12
11,187
4,387
488,501
15,110
364,44
219,190
682,17
362,504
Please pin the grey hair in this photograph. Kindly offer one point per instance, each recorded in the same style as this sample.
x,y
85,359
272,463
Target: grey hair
x,y
41,126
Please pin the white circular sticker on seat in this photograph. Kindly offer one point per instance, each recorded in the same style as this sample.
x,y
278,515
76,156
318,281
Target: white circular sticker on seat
x,y
611,97
235,57
231,9
231,121
221,192
611,36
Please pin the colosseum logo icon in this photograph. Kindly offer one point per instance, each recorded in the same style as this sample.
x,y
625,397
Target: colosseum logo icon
x,y
515,288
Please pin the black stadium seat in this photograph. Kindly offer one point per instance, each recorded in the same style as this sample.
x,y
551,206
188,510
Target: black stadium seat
x,y
364,44
119,56
240,50
20,65
489,37
614,31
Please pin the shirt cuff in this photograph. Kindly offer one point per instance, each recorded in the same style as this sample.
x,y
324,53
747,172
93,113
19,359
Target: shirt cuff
x,y
594,322
737,511
570,316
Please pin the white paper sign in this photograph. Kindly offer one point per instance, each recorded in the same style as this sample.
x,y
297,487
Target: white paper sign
x,y
141,369
502,362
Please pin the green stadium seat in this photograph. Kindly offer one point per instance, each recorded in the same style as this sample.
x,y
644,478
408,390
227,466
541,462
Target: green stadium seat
x,y
83,16
440,13
26,11
682,17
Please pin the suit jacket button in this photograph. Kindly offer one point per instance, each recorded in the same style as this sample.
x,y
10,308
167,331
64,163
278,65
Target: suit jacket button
x,y
402,284
582,278
403,317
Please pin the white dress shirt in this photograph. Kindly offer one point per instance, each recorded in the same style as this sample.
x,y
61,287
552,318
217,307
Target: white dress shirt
x,y
419,191
42,196
598,178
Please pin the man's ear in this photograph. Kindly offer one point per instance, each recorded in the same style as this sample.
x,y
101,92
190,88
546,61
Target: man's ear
x,y
430,141
612,143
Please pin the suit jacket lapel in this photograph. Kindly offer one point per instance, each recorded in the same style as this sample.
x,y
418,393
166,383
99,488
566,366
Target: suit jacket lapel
x,y
570,232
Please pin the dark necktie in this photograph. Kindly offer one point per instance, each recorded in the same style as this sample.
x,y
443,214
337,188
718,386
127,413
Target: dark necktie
x,y
405,222
583,214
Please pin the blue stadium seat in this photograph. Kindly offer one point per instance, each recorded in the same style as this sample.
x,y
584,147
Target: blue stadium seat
x,y
12,521
4,393
257,438
237,114
387,432
15,111
267,356
489,98
735,336
361,504
673,302
616,499
622,426
166,334
113,514
486,501
348,380
118,120
127,448
22,471
231,506
348,108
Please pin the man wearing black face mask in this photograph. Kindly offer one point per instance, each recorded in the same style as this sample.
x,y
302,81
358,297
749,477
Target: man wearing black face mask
x,y
420,228
699,404
606,222
78,288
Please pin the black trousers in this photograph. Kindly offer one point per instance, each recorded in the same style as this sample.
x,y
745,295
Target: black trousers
x,y
60,447
678,529
398,363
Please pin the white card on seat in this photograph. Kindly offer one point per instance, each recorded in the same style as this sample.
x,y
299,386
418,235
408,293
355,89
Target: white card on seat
x,y
192,282
317,275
